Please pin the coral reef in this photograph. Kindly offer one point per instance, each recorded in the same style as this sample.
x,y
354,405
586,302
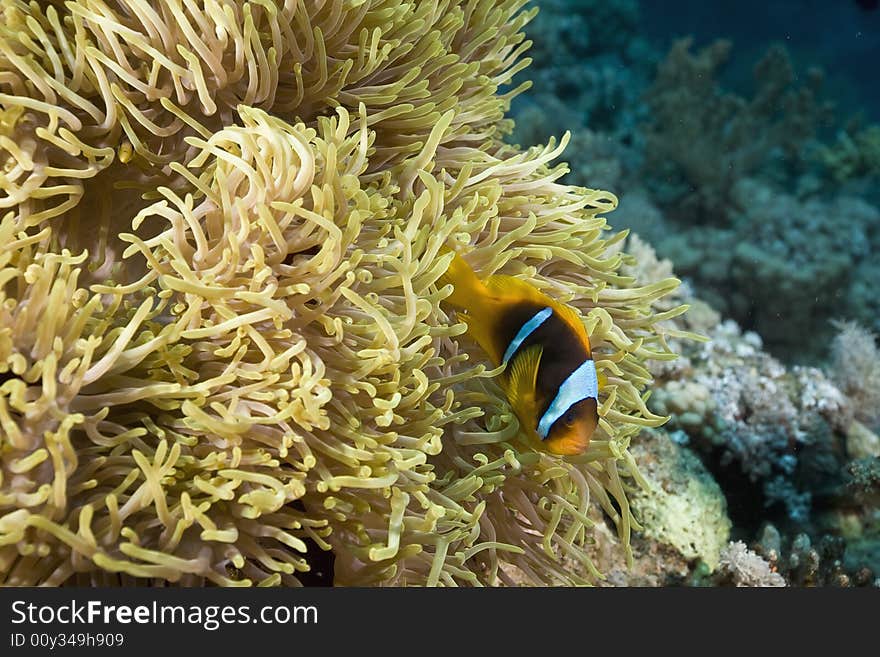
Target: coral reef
x,y
740,189
804,564
579,54
805,252
859,519
855,367
742,567
732,176
785,446
766,206
701,140
222,348
782,427
590,65
744,214
785,261
855,154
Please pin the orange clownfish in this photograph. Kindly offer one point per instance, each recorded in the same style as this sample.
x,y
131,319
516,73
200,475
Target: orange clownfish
x,y
550,378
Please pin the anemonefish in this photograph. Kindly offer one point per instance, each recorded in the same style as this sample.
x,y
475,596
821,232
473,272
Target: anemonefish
x,y
549,378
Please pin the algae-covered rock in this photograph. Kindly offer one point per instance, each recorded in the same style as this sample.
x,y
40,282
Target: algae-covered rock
x,y
685,507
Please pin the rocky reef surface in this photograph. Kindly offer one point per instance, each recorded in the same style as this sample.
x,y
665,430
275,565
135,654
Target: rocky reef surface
x,y
761,194
765,474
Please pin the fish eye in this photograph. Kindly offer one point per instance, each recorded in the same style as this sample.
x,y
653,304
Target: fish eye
x,y
569,418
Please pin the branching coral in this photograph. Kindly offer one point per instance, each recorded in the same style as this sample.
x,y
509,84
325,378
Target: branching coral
x,y
805,562
222,346
707,138
784,261
855,154
589,63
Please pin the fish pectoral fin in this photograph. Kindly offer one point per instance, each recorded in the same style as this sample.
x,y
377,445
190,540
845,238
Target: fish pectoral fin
x,y
522,378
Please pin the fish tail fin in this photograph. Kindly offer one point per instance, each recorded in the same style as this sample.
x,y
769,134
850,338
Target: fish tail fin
x,y
468,289
471,295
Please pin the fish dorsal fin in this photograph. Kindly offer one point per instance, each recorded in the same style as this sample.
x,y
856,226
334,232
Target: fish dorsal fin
x,y
569,315
522,378
508,287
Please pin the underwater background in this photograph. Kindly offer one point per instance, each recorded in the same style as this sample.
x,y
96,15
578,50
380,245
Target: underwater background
x,y
743,142
229,350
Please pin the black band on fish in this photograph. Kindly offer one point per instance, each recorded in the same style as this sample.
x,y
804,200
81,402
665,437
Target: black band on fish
x,y
525,331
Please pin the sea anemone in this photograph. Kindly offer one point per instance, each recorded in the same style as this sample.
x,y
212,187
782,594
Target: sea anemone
x,y
223,349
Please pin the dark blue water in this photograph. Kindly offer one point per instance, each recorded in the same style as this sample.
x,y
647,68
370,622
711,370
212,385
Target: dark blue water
x,y
838,36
